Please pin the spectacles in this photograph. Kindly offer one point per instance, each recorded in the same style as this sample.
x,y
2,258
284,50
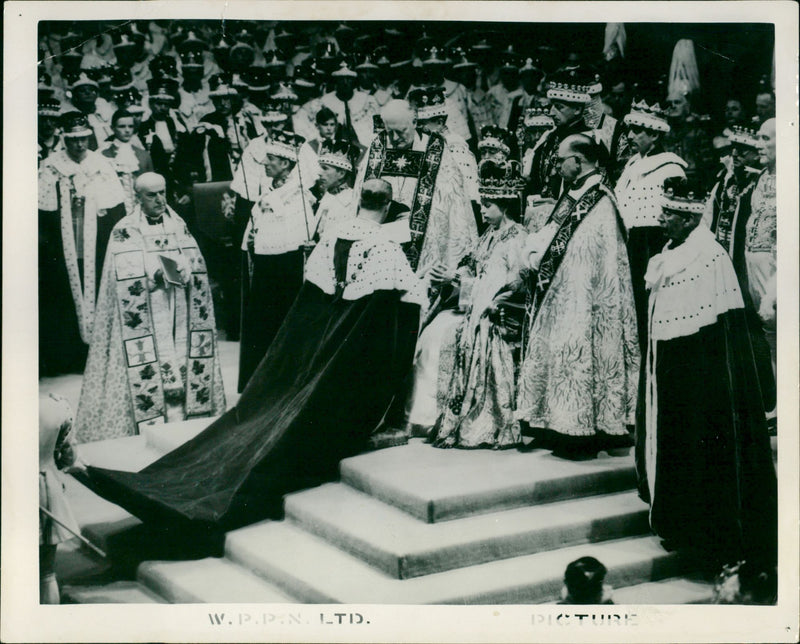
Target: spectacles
x,y
560,160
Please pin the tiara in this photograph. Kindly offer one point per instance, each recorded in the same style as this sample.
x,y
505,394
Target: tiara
x,y
651,117
500,180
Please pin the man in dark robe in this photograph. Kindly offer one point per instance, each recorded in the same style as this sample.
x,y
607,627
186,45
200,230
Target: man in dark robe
x,y
727,212
80,201
323,386
703,454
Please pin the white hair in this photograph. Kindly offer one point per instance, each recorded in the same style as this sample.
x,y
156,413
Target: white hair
x,y
398,109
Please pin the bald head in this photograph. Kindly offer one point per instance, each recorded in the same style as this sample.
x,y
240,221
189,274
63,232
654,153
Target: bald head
x,y
375,194
767,152
400,120
151,191
578,155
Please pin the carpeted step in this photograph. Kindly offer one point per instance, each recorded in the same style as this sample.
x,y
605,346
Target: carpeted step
x,y
210,580
165,438
440,484
314,571
120,592
668,591
403,546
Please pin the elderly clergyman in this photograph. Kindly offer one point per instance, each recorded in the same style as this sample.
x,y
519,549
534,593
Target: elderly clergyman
x,y
425,177
153,355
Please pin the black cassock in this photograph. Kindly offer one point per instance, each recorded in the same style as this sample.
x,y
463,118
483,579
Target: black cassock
x,y
322,388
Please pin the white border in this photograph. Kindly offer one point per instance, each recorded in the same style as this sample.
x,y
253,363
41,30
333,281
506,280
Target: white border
x,y
24,620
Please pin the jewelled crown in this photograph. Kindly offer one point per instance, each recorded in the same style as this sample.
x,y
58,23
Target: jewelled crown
x,y
743,136
569,92
500,179
50,107
428,101
163,88
571,86
680,196
74,124
221,85
284,93
284,145
271,112
651,117
337,154
495,138
537,117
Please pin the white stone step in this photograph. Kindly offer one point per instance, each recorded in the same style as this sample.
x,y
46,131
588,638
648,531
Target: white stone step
x,y
210,580
440,484
119,592
403,546
315,571
668,591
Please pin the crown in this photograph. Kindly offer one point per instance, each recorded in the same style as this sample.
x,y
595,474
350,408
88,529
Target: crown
x,y
162,88
537,117
190,43
367,63
271,112
495,138
121,80
500,179
651,117
569,92
74,124
428,101
49,107
221,85
258,78
305,74
461,59
679,197
596,86
164,65
529,67
122,40
344,71
336,154
434,58
743,136
284,144
83,79
284,93
381,56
